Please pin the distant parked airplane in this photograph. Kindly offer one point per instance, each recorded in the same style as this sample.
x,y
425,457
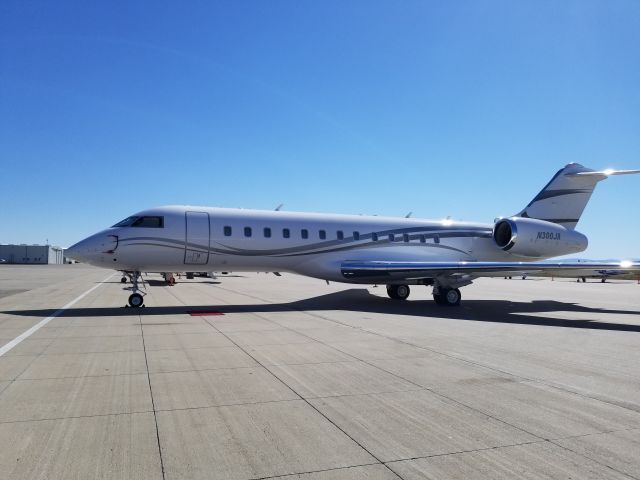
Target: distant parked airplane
x,y
398,252
581,275
597,273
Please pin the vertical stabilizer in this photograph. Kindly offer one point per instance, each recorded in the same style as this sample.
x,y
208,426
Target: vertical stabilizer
x,y
564,198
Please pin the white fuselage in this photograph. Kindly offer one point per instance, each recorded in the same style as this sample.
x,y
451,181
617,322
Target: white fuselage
x,y
195,239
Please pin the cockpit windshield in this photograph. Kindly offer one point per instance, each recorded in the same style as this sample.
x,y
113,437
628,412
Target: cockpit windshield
x,y
149,222
126,222
144,222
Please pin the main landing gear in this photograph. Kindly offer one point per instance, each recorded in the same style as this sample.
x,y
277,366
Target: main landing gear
x,y
449,297
136,299
398,292
445,296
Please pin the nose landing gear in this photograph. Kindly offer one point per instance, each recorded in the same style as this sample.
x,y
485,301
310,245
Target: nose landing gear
x,y
136,299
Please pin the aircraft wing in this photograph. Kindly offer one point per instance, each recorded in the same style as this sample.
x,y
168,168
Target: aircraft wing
x,y
381,271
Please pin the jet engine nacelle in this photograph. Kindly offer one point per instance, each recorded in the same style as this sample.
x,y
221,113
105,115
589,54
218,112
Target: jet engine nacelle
x,y
529,237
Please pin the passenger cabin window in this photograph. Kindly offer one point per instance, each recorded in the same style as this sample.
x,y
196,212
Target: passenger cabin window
x,y
391,237
149,222
227,231
304,233
322,234
374,237
356,235
247,231
339,234
286,233
405,237
267,232
423,239
436,238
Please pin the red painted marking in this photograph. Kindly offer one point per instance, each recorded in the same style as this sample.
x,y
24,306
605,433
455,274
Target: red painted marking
x,y
204,314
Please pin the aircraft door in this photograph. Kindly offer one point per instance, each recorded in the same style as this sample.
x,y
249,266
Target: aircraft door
x,y
197,232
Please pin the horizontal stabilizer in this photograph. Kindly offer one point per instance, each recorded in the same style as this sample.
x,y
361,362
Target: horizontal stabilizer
x,y
603,173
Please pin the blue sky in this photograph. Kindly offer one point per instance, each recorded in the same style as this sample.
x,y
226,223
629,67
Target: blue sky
x,y
461,108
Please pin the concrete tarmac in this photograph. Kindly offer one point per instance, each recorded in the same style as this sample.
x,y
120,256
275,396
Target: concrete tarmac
x,y
288,377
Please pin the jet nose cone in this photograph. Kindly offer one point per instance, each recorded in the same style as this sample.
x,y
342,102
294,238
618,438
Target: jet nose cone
x,y
90,250
78,251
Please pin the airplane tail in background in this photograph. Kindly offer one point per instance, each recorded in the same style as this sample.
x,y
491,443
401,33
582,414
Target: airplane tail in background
x,y
564,198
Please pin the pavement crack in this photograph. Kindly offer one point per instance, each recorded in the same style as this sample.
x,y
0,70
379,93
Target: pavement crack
x,y
483,449
592,459
71,417
321,471
266,367
595,434
522,378
377,367
153,405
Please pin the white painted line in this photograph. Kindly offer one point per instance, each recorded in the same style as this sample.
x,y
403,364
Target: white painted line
x,y
42,323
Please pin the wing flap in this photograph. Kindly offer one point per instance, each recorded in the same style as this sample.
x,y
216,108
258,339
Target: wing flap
x,y
419,270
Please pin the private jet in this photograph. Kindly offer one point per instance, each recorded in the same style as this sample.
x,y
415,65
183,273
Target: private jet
x,y
445,255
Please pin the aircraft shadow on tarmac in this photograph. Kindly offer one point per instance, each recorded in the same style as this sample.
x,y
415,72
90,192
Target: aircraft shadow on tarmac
x,y
163,283
361,301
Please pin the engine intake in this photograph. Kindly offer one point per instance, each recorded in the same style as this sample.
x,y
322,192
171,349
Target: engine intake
x,y
505,234
529,237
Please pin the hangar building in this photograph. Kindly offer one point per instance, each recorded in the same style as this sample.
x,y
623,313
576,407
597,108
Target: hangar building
x,y
31,254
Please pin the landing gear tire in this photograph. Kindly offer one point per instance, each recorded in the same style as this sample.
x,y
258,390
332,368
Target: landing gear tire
x,y
398,292
449,297
123,280
135,300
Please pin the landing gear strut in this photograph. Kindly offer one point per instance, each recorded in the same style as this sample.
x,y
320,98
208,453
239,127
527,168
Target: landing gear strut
x,y
447,296
136,299
126,276
398,292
